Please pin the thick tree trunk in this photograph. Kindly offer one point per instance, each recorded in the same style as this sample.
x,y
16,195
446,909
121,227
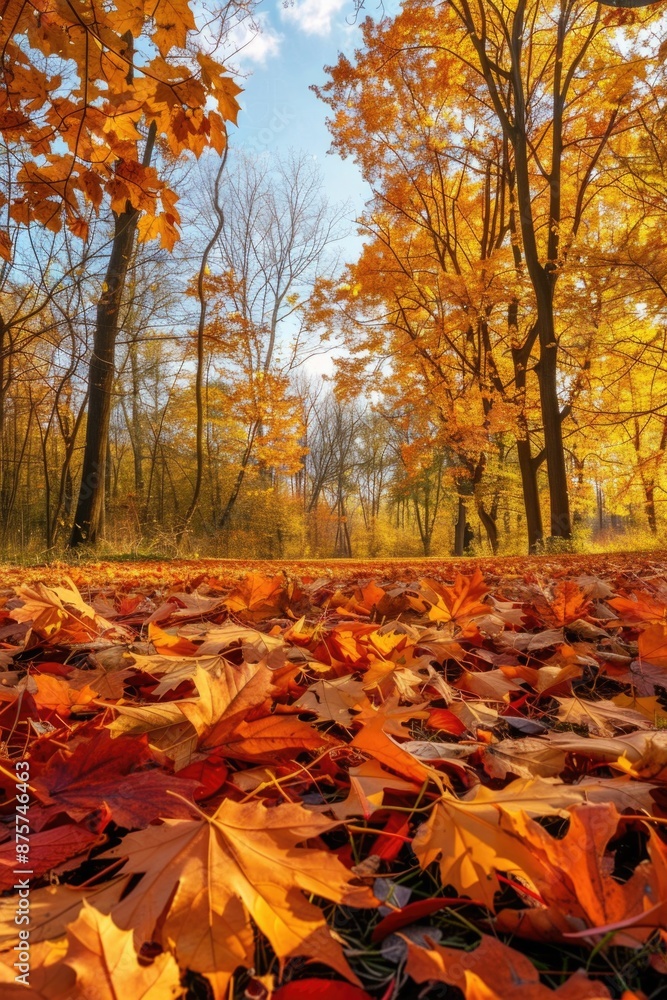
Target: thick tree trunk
x,y
489,520
649,507
531,496
89,516
547,372
460,528
542,278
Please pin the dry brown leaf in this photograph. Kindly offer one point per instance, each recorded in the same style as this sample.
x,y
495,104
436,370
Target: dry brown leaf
x,y
61,612
601,718
336,700
164,725
368,784
54,907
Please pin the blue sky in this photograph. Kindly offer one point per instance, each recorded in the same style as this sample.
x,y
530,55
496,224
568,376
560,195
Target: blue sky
x,y
283,60
279,111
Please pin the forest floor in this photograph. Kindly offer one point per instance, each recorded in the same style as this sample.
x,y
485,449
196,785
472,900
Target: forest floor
x,y
161,572
345,780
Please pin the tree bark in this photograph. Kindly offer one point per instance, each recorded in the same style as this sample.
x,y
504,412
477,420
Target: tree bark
x,y
542,277
531,496
136,432
460,528
489,520
547,375
89,516
649,507
226,515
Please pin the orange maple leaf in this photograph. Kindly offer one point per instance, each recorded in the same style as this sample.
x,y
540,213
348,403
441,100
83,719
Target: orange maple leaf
x,y
256,592
652,645
458,603
493,971
204,879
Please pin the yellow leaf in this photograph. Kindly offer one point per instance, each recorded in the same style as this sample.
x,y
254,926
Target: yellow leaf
x,y
173,19
49,977
107,966
649,707
124,125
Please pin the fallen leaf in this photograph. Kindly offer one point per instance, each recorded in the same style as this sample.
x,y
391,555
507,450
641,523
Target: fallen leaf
x,y
49,978
48,850
256,593
460,602
107,966
338,700
602,718
61,612
653,645
56,695
493,971
203,879
170,643
319,989
571,875
268,739
164,725
115,773
471,840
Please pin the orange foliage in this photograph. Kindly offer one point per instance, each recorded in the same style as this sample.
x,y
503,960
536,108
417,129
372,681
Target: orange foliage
x,y
129,72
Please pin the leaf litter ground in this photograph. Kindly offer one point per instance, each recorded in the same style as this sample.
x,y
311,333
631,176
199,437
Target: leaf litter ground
x,y
382,780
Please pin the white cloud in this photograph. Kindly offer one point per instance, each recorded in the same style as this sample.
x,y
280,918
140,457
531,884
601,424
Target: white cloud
x,y
253,41
313,16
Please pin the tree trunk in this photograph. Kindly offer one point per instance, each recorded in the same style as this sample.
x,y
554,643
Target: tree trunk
x,y
649,507
89,516
460,528
531,496
343,542
226,515
489,521
136,435
66,484
542,278
424,528
547,370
